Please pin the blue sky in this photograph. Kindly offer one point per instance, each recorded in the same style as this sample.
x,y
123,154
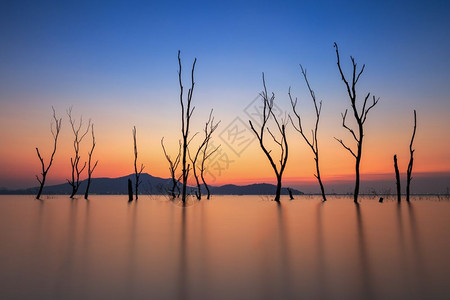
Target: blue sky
x,y
97,44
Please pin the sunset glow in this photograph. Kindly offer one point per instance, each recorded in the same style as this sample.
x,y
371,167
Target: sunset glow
x,y
124,74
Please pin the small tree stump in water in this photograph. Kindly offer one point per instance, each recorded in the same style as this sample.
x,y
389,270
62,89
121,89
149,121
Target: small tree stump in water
x,y
290,194
130,191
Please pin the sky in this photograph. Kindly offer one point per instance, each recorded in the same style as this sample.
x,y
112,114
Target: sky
x,y
115,62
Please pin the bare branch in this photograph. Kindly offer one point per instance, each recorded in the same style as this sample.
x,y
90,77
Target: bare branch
x,y
342,143
375,101
344,115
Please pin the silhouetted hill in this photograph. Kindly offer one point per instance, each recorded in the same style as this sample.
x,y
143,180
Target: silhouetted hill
x,y
104,186
149,185
252,189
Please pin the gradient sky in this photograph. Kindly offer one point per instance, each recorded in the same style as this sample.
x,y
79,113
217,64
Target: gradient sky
x,y
116,63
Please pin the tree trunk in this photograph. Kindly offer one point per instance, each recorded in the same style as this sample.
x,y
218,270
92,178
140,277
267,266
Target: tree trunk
x,y
38,196
208,192
278,191
397,178
172,191
87,188
356,192
74,191
290,194
358,161
183,192
411,160
130,191
136,187
322,190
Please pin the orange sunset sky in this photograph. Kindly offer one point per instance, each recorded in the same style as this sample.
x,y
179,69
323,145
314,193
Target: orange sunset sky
x,y
116,67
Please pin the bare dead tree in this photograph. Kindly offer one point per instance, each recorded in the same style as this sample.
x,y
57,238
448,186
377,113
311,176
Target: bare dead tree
x,y
360,116
291,197
75,160
210,127
173,166
267,113
411,160
130,191
312,143
397,180
55,133
205,156
186,114
137,172
91,167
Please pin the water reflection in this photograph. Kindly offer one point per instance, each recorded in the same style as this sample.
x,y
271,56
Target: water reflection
x,y
227,248
367,291
322,278
65,270
418,263
183,264
132,251
283,249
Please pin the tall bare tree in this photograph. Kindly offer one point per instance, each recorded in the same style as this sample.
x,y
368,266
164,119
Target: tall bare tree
x,y
91,167
360,116
173,166
210,127
411,159
55,133
312,143
137,172
267,113
186,114
75,160
397,180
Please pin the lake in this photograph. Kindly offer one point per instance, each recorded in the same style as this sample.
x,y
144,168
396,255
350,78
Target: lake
x,y
230,247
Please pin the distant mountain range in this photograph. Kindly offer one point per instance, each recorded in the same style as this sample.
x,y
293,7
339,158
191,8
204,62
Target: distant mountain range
x,y
150,185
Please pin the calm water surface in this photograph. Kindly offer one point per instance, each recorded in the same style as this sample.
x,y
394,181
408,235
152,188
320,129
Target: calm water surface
x,y
243,247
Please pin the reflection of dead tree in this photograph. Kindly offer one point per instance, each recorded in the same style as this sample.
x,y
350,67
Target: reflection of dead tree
x,y
282,143
411,159
186,113
90,169
75,160
137,172
313,142
210,127
360,117
173,165
397,179
55,133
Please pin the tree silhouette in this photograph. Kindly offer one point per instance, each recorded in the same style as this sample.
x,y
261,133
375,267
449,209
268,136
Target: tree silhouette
x,y
313,144
91,167
137,172
75,160
205,156
210,127
411,159
267,113
186,114
45,169
360,116
397,180
173,166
